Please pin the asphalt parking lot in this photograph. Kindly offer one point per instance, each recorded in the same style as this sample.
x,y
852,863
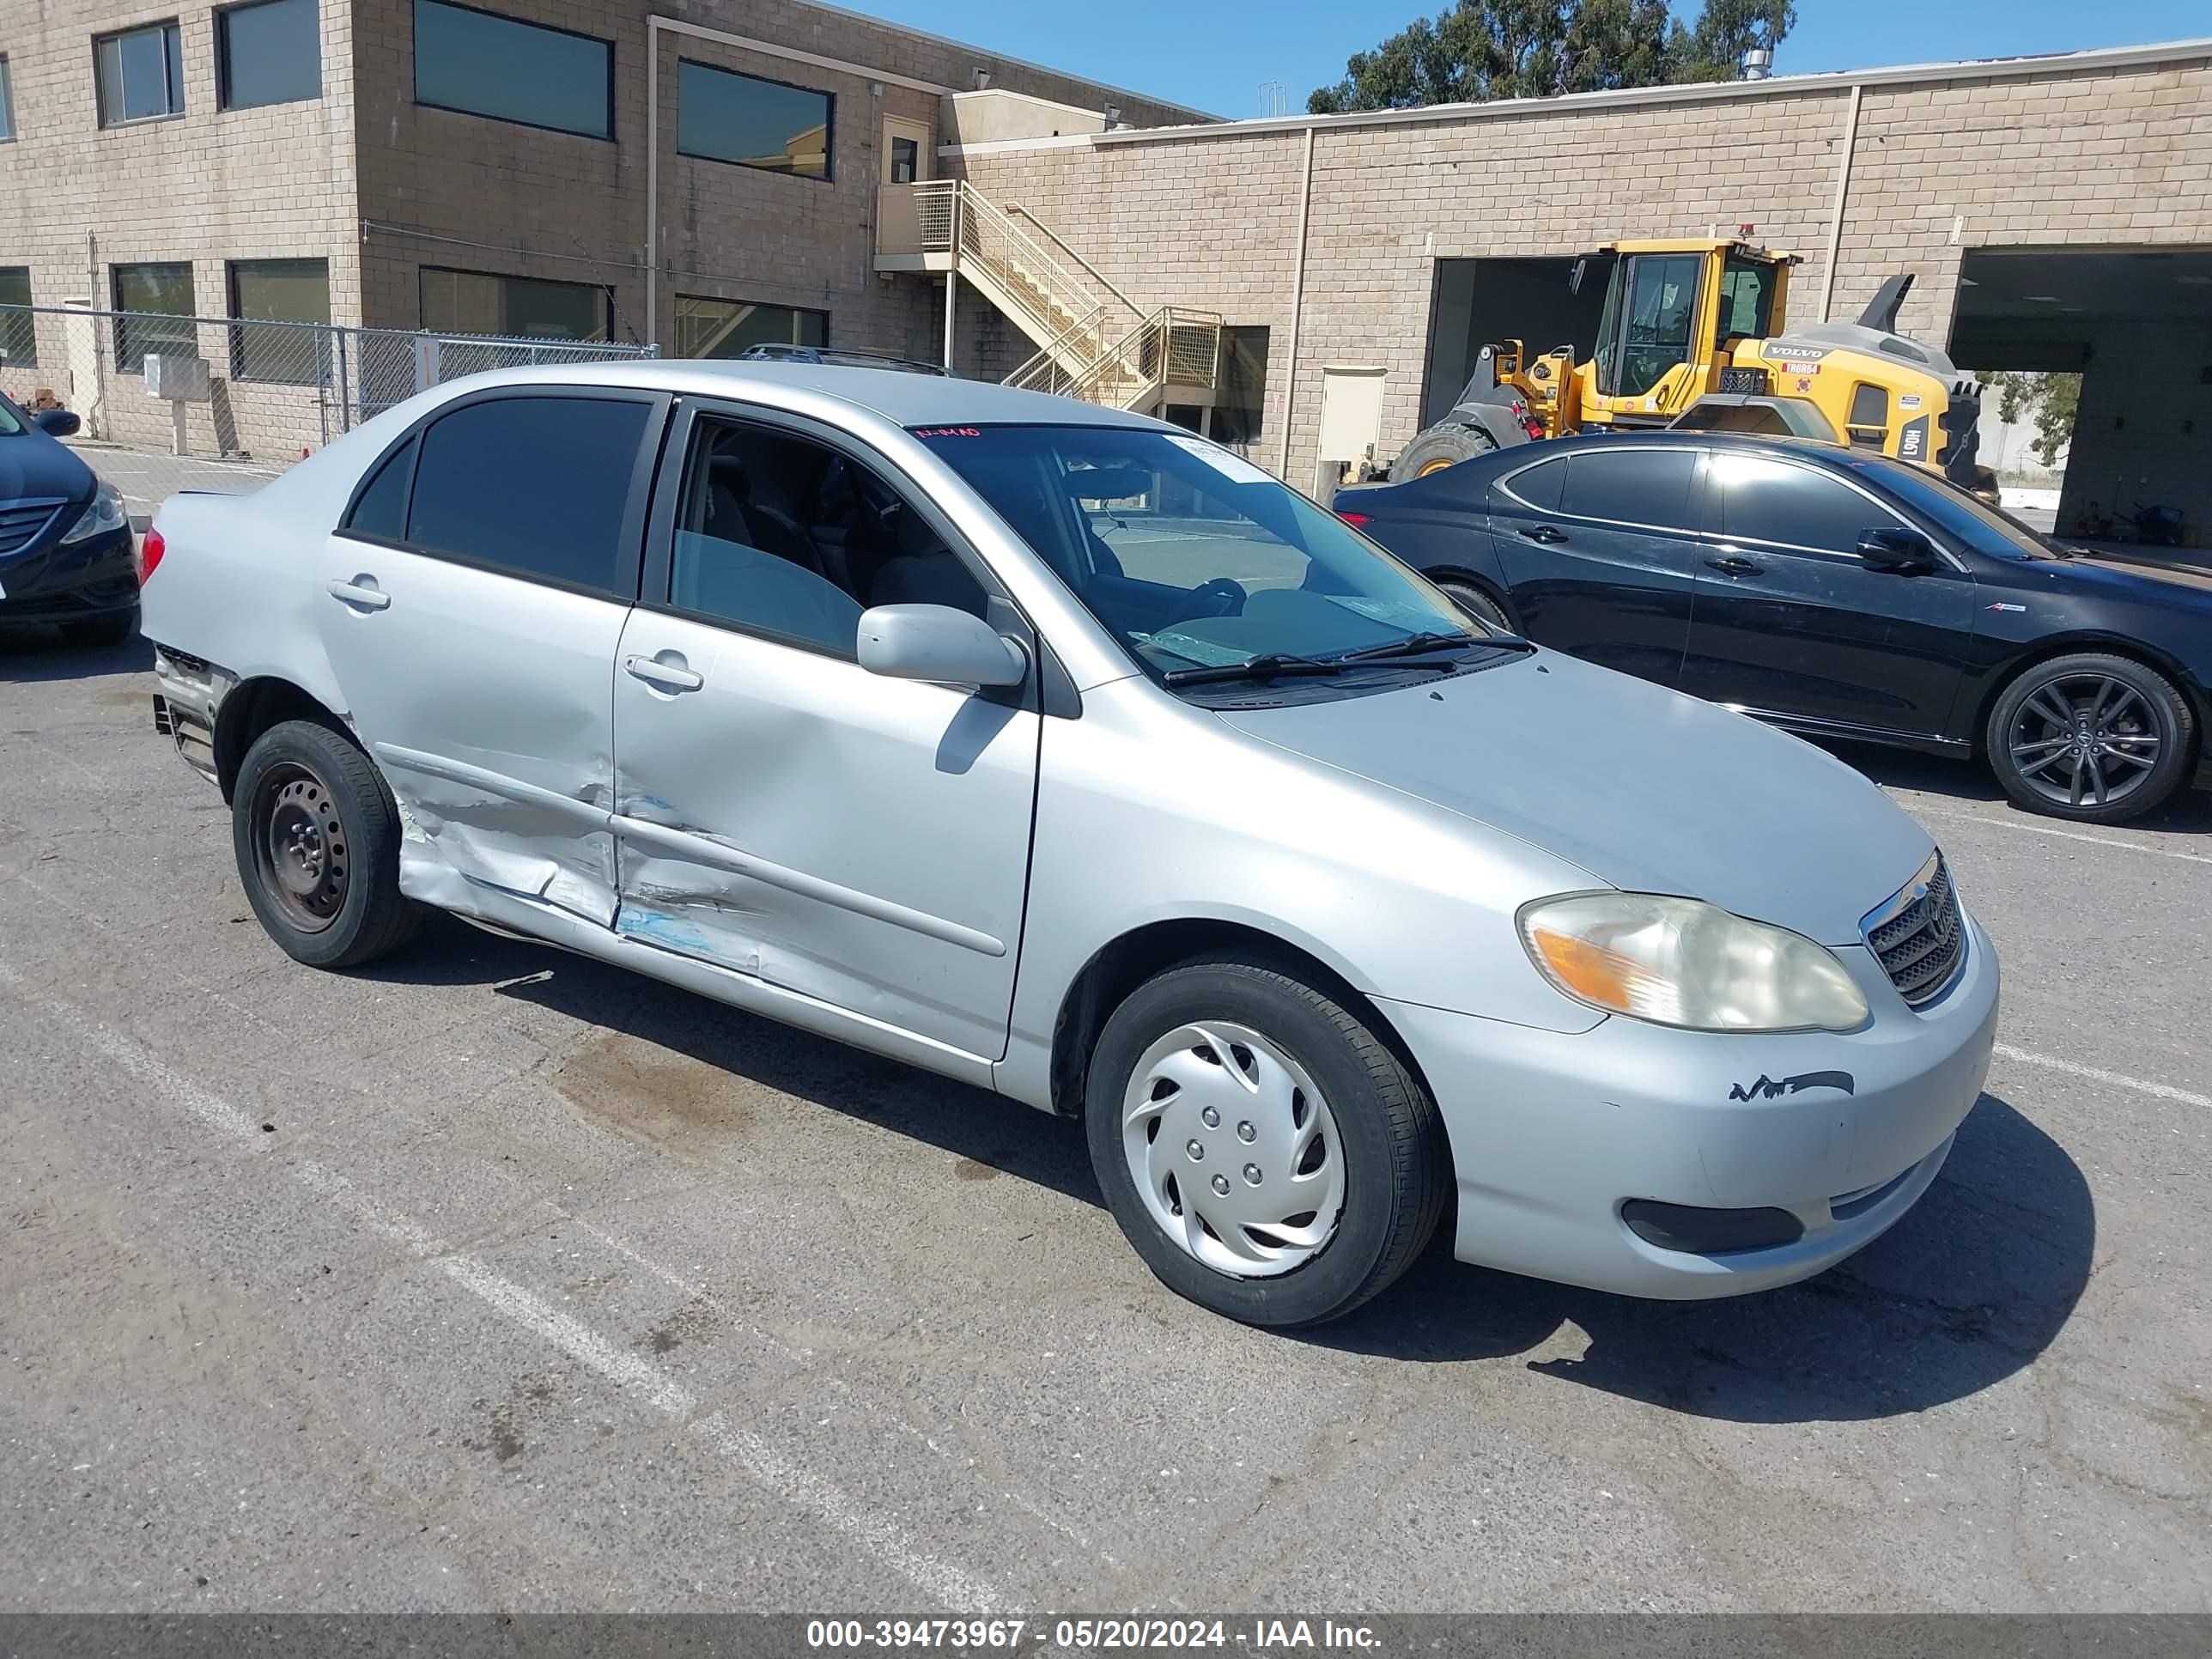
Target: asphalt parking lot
x,y
496,1278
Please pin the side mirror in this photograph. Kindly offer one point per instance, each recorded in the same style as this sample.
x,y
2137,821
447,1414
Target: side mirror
x,y
58,422
937,643
1575,280
1890,547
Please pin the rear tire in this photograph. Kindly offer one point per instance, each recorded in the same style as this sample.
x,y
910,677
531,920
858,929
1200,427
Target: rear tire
x,y
1476,603
1438,447
102,633
316,833
2092,737
1295,1206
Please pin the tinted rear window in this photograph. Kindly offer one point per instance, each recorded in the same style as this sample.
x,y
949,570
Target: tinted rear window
x,y
1539,485
536,486
381,508
1631,486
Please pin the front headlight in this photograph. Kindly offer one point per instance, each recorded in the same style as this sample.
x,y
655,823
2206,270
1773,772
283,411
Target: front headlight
x,y
1683,963
105,513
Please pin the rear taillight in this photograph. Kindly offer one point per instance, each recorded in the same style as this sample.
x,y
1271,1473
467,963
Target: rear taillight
x,y
1356,520
150,549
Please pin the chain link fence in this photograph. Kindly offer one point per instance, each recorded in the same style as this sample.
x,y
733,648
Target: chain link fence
x,y
224,403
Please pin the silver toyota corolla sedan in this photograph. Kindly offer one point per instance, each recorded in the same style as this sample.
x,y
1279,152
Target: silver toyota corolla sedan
x,y
1060,751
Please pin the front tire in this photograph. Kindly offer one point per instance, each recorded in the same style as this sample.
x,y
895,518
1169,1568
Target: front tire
x,y
1438,447
1266,1154
2093,738
316,834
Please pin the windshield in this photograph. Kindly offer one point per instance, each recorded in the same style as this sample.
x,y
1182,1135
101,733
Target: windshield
x,y
1984,528
1193,557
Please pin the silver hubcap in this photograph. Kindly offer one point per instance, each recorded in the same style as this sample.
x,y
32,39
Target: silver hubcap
x,y
1233,1150
2085,739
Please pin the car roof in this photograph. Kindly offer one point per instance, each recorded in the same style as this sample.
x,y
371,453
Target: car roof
x,y
895,395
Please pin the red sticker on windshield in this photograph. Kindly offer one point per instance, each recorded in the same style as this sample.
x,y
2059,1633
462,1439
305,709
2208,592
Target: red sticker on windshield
x,y
948,431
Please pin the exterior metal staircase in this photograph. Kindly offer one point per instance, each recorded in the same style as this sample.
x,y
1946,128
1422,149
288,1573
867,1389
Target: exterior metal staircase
x,y
1092,342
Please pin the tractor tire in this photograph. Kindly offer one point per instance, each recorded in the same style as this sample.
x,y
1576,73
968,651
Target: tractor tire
x,y
1437,448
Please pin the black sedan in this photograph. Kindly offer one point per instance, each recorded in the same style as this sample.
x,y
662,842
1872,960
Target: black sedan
x,y
66,552
1833,592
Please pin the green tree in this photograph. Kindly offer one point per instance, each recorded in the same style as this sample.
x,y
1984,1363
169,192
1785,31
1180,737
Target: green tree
x,y
2051,401
1481,50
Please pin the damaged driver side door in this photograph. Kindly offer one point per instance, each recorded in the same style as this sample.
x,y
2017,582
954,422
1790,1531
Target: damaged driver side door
x,y
473,598
860,840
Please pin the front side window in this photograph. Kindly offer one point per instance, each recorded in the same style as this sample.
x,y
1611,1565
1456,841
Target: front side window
x,y
281,294
157,301
723,328
140,75
1650,305
480,64
1769,500
19,333
782,536
519,307
1193,557
723,116
535,487
1631,486
268,52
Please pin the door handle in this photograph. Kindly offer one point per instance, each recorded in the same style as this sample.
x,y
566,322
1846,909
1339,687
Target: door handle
x,y
1736,565
667,673
361,593
1543,532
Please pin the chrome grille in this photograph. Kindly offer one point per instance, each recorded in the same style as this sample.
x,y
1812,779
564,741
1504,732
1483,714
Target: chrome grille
x,y
1919,937
20,521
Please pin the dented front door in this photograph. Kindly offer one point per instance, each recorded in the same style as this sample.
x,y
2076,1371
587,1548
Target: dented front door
x,y
788,815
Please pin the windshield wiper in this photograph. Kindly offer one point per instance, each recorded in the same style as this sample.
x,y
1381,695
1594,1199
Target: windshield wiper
x,y
1415,645
1267,665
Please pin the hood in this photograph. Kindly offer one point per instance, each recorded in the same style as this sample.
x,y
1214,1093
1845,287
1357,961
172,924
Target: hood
x,y
2184,585
33,464
1648,790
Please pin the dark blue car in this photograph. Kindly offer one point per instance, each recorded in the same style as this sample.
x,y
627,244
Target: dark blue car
x,y
66,552
1832,593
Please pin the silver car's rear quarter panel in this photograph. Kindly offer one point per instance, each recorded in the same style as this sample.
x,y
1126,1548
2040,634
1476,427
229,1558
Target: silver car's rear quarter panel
x,y
1551,1132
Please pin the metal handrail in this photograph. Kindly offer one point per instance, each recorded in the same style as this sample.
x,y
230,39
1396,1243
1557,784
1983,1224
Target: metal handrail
x,y
1061,242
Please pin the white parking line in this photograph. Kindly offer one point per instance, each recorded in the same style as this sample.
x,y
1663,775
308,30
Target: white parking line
x,y
952,1585
2096,1074
2063,835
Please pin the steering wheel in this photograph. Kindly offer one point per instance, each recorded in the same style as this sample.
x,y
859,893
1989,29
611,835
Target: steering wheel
x,y
1218,598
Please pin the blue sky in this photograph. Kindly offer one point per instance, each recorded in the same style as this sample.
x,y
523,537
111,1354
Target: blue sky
x,y
1216,54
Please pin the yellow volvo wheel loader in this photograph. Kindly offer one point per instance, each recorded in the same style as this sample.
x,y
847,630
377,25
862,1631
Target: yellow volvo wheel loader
x,y
1694,335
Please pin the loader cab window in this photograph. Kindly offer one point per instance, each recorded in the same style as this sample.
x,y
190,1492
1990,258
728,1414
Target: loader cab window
x,y
1746,309
1649,306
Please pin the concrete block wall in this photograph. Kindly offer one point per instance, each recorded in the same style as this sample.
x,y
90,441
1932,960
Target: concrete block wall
x,y
2047,157
205,188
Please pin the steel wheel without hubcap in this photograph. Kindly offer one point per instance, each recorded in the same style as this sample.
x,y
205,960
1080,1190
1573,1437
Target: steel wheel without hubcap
x,y
2086,739
300,852
1233,1150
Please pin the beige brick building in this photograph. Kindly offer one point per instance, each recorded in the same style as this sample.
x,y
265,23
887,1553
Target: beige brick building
x,y
2056,213
700,174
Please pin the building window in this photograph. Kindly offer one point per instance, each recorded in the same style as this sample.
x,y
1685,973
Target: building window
x,y
906,161
268,52
19,332
520,308
141,75
158,300
723,328
724,116
280,294
480,64
1240,399
6,102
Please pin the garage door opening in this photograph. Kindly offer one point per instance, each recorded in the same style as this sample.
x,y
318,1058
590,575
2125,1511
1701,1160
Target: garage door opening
x,y
1479,302
2135,324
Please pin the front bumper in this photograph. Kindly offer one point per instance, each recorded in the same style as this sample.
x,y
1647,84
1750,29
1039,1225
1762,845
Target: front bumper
x,y
1551,1133
82,581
